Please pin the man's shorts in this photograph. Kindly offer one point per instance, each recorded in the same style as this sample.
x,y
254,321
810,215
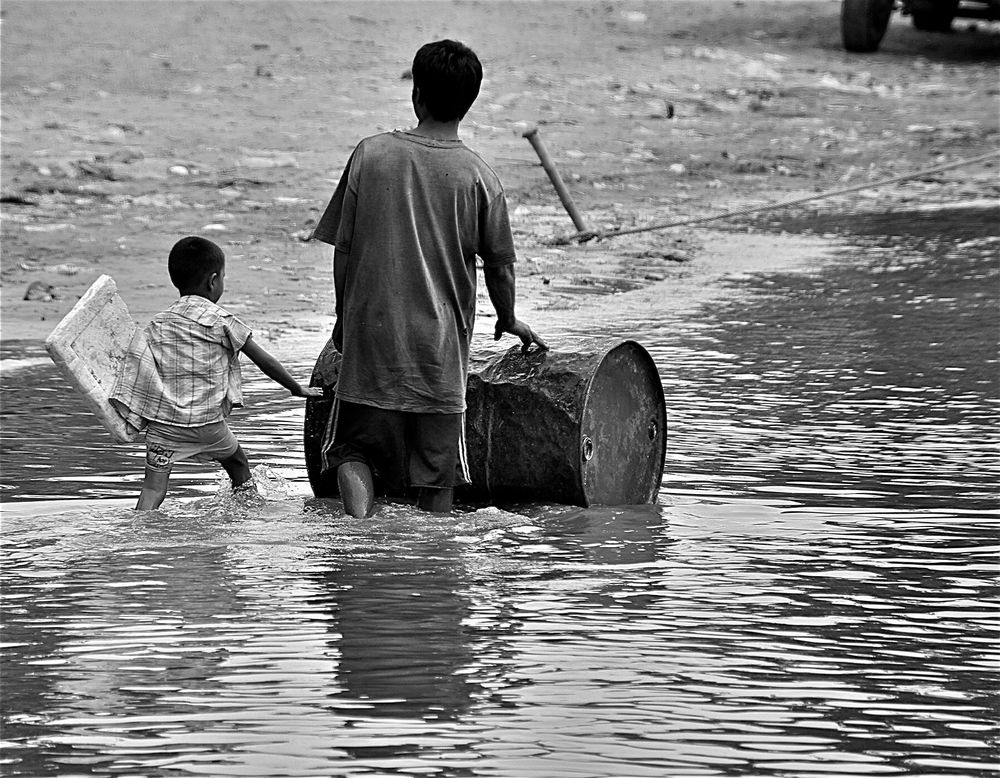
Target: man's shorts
x,y
404,450
168,443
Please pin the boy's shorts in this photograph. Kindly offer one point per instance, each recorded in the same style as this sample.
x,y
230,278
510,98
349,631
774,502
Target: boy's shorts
x,y
403,449
168,443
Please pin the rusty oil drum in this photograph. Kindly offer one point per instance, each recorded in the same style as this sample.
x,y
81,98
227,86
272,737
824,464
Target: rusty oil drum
x,y
574,428
324,375
547,426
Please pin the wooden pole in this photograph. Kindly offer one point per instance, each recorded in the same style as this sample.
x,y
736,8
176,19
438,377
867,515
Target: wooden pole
x,y
550,167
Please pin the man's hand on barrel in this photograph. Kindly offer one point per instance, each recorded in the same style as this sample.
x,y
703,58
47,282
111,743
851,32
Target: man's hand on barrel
x,y
500,285
523,331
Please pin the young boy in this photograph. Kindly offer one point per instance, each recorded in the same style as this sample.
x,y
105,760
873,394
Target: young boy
x,y
412,211
182,375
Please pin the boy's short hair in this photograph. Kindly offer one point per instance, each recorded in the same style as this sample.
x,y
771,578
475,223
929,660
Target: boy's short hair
x,y
193,259
448,75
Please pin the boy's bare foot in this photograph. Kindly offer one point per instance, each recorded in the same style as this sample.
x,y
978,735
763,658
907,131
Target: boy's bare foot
x,y
247,488
356,489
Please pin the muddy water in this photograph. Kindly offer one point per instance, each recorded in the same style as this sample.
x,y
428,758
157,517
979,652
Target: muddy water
x,y
814,593
873,383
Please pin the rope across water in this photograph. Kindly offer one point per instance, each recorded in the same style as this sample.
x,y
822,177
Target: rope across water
x,y
583,237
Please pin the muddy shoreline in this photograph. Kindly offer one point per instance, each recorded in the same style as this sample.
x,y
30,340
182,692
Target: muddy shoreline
x,y
652,111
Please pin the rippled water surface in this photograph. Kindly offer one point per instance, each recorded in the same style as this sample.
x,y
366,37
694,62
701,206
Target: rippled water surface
x,y
814,593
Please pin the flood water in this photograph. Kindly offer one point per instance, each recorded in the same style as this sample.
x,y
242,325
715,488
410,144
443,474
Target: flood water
x,y
814,593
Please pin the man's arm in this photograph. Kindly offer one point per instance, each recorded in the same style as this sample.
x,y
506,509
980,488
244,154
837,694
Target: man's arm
x,y
500,285
340,260
274,370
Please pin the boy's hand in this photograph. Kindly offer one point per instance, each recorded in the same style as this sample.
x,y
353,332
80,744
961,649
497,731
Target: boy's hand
x,y
274,370
523,331
308,391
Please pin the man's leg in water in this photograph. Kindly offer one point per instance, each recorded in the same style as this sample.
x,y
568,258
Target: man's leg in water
x,y
436,448
369,444
435,500
357,489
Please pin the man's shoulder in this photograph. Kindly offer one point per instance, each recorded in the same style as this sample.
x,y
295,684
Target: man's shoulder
x,y
376,143
485,168
388,150
400,140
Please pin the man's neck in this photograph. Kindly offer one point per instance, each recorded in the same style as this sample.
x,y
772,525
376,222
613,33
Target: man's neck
x,y
432,128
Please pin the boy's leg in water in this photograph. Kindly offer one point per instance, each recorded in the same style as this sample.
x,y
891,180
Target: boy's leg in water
x,y
154,489
436,500
354,479
238,467
159,463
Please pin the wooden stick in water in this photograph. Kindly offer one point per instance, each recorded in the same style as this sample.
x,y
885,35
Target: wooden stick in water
x,y
531,133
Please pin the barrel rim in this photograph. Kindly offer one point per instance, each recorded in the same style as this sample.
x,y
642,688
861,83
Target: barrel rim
x,y
615,347
660,394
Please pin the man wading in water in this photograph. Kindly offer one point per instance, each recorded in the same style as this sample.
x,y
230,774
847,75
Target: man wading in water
x,y
412,211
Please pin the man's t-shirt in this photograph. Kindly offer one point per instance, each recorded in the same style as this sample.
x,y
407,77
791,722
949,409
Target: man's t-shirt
x,y
412,213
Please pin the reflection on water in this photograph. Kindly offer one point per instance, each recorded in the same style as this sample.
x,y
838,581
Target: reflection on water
x,y
284,638
814,594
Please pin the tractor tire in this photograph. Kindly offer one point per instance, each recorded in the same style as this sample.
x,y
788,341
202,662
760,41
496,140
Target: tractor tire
x,y
863,23
933,15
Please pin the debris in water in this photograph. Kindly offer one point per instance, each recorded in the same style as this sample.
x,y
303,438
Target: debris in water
x,y
40,291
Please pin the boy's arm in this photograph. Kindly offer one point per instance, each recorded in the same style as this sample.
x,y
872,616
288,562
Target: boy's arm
x,y
500,285
274,370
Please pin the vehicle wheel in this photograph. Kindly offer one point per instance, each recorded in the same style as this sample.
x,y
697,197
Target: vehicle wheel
x,y
863,23
933,15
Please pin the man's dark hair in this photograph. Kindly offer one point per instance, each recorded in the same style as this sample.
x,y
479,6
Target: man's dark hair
x,y
448,75
192,259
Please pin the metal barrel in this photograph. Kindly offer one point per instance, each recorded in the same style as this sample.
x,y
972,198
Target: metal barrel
x,y
324,375
573,428
546,426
